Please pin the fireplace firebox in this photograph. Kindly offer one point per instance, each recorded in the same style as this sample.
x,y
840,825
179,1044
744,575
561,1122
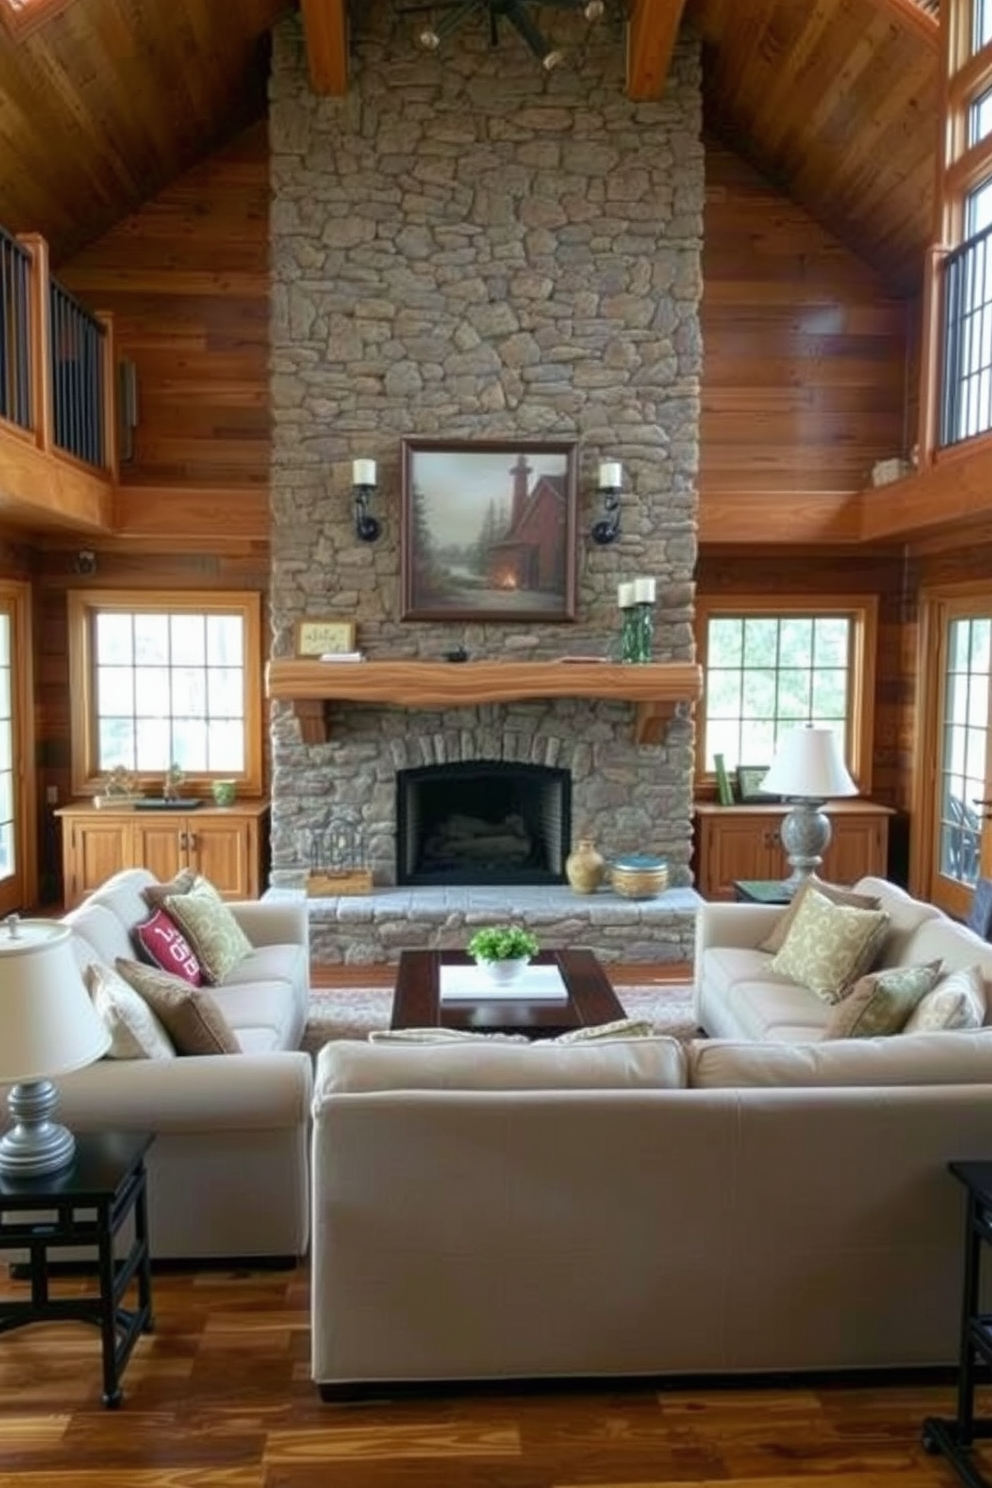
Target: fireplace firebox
x,y
482,822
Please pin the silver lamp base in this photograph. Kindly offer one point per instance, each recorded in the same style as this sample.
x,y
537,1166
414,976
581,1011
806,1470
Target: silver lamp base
x,y
805,834
35,1144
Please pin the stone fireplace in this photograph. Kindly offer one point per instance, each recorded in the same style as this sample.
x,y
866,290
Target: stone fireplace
x,y
472,248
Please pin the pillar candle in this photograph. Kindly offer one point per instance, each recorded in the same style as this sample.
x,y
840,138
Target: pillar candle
x,y
610,475
625,595
363,472
644,591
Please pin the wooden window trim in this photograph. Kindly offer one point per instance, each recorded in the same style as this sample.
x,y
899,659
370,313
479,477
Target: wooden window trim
x,y
84,604
862,609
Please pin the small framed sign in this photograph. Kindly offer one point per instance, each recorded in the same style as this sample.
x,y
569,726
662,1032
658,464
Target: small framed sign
x,y
749,778
323,637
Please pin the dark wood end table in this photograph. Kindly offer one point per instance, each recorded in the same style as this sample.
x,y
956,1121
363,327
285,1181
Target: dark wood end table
x,y
84,1205
591,999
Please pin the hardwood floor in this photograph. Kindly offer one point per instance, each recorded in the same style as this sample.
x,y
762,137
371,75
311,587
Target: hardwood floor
x,y
220,1397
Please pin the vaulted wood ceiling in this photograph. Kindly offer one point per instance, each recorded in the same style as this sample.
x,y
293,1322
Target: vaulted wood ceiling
x,y
102,102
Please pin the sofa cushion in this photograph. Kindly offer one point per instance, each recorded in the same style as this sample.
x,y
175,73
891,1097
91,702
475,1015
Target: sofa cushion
x,y
881,1002
98,934
741,997
829,945
925,1059
124,895
955,944
350,1067
189,1015
164,945
215,935
261,1014
957,1001
774,941
135,1031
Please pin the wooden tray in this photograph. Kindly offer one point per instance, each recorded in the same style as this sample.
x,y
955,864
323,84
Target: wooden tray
x,y
325,884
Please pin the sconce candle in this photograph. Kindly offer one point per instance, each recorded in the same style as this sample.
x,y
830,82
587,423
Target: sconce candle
x,y
610,482
363,472
610,475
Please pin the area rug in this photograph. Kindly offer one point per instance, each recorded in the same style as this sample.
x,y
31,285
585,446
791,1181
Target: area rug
x,y
353,1012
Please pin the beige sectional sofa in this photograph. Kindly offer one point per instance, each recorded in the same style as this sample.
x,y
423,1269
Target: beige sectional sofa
x,y
491,1211
229,1167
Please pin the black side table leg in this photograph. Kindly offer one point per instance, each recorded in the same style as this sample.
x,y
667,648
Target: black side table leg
x,y
112,1392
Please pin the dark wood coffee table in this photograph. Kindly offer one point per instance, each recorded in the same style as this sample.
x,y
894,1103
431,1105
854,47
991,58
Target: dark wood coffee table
x,y
417,1000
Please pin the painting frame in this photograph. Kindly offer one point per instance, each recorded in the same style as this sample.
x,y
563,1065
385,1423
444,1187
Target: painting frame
x,y
320,637
509,511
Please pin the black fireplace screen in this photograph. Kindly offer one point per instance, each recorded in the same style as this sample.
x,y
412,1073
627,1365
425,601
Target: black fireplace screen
x,y
485,822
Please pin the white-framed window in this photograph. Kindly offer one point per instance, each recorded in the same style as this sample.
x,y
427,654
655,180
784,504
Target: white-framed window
x,y
771,664
163,679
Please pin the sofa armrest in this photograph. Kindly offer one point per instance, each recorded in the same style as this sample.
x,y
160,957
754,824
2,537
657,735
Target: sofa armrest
x,y
210,1092
741,925
285,922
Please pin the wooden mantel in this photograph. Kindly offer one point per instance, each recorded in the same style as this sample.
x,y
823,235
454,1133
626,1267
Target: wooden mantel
x,y
310,686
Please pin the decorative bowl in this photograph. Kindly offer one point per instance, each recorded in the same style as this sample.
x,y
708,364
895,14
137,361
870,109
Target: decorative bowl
x,y
640,876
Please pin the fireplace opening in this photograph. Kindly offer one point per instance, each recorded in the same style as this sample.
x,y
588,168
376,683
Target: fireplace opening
x,y
484,822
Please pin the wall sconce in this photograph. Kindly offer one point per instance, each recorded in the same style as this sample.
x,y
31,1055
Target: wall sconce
x,y
367,529
609,486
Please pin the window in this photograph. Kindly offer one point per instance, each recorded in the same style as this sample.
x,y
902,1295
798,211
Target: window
x,y
162,679
770,666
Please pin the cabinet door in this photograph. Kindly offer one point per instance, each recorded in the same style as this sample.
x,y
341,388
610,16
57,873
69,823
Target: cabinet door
x,y
224,850
160,843
859,845
93,848
739,845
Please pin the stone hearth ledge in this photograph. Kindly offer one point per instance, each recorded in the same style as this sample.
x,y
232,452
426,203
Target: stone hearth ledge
x,y
372,929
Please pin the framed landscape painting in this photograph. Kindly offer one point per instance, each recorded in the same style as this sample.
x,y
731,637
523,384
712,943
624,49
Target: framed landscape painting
x,y
489,529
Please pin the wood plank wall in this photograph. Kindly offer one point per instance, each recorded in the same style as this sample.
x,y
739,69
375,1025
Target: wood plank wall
x,y
803,388
804,350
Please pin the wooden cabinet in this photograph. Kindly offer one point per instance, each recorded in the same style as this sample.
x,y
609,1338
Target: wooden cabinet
x,y
225,844
735,842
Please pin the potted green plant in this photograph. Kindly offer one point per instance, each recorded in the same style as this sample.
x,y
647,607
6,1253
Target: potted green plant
x,y
504,950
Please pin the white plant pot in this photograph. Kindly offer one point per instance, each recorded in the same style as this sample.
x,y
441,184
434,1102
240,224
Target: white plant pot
x,y
504,972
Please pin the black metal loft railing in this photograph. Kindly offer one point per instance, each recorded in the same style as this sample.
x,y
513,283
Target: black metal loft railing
x,y
76,346
966,370
15,303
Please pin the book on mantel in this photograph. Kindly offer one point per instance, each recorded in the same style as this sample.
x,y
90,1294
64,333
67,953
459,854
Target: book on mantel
x,y
343,656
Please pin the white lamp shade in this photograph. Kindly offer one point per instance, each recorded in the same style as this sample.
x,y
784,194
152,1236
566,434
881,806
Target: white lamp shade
x,y
48,1024
809,763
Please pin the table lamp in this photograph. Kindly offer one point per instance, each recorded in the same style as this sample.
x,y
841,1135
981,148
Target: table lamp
x,y
808,769
48,1026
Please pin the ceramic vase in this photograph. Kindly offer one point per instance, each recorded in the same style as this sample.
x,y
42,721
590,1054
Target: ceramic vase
x,y
504,972
585,867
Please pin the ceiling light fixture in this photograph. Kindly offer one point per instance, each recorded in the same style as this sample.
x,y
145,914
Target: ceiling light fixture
x,y
517,12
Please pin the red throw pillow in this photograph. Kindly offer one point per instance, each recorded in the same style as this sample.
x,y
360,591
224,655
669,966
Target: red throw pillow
x,y
165,946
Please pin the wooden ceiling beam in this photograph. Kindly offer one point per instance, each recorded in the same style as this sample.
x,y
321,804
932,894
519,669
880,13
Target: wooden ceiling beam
x,y
912,17
652,30
325,26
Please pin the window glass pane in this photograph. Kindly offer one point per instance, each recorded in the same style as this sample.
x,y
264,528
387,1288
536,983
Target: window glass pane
x,y
978,216
980,118
981,24
791,669
163,682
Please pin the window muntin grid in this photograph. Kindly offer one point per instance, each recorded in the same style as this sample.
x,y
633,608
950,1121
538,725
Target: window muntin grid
x,y
964,747
766,674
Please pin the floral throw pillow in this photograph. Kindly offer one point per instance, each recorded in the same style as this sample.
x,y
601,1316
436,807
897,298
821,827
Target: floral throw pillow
x,y
165,945
829,945
776,937
881,1002
218,941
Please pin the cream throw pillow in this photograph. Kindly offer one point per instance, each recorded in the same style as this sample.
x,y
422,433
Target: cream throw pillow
x,y
622,1028
829,945
957,1001
774,941
881,1002
218,941
135,1031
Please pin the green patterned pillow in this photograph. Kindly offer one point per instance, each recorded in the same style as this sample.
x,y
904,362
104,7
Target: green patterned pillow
x,y
218,941
957,1001
881,1002
829,945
